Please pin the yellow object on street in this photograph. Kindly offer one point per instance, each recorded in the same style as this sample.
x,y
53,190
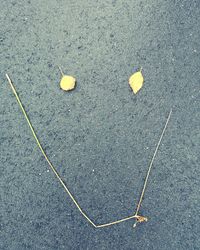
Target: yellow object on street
x,y
67,82
136,81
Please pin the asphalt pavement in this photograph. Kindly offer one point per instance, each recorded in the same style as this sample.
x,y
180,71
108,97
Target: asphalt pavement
x,y
100,137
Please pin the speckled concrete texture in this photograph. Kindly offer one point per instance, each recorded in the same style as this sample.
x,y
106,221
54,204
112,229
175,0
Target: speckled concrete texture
x,y
100,136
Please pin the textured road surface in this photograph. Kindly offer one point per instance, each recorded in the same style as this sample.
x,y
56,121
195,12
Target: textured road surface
x,y
100,137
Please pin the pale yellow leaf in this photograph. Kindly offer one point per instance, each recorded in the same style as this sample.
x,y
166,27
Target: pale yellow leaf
x,y
136,81
67,82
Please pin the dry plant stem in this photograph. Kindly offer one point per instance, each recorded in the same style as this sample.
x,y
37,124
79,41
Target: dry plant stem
x,y
61,71
151,164
62,182
44,154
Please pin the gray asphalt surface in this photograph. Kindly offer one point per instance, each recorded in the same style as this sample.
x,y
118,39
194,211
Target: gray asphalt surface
x,y
100,136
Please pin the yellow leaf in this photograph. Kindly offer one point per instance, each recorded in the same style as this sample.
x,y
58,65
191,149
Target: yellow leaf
x,y
136,81
67,82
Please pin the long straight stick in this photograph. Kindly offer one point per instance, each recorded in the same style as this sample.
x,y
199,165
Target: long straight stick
x,y
151,164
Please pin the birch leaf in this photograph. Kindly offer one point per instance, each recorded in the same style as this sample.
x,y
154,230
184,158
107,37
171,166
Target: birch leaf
x,y
136,81
67,82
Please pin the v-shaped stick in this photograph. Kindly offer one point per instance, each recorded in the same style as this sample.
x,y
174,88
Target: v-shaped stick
x,y
138,218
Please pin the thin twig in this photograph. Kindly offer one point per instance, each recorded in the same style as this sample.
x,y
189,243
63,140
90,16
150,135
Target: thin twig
x,y
44,154
61,71
151,164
